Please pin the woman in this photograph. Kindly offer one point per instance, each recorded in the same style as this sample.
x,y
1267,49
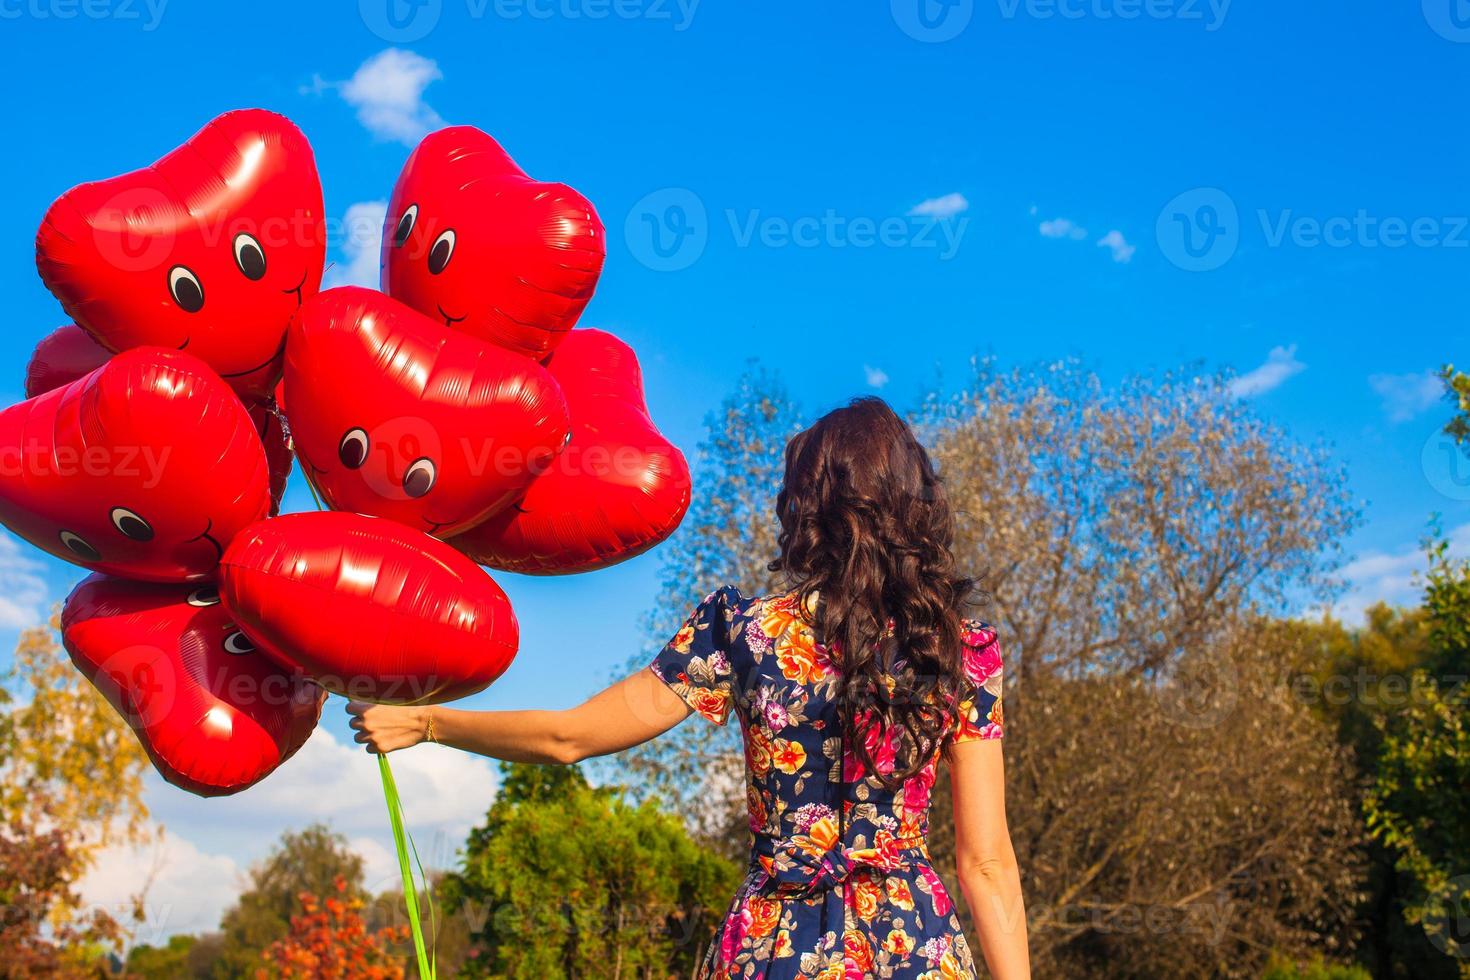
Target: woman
x,y
865,659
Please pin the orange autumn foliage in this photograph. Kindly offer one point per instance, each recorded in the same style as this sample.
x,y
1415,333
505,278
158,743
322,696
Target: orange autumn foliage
x,y
330,941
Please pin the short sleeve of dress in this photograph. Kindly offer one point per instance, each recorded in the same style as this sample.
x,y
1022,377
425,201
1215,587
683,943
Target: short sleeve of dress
x,y
695,664
980,713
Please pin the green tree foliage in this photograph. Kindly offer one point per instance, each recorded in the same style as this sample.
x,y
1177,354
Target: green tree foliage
x,y
1419,803
1360,680
166,962
1281,968
1457,388
565,880
309,861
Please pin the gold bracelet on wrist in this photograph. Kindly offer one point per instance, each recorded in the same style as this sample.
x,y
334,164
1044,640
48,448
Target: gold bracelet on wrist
x,y
429,726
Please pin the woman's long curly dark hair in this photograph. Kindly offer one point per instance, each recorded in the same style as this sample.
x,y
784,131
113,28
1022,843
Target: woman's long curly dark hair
x,y
866,538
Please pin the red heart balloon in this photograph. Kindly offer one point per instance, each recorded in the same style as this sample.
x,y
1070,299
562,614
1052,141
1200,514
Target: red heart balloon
x,y
473,242
61,357
397,416
69,352
211,249
619,487
144,468
368,608
214,715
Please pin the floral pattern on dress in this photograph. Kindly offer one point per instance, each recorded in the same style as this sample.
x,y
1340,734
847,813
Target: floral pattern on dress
x,y
830,894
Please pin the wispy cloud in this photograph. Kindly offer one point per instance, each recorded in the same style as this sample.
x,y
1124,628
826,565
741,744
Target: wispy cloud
x,y
941,207
1393,577
23,591
1407,395
387,90
1114,240
877,377
362,233
1063,228
1280,365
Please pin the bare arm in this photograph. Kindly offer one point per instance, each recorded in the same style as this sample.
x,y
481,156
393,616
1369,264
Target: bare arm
x,y
629,713
988,872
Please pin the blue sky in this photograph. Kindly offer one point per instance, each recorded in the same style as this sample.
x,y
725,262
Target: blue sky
x,y
863,195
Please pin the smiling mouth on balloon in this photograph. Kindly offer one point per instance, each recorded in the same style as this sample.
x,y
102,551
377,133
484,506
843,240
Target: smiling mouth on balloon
x,y
264,364
206,536
297,289
449,321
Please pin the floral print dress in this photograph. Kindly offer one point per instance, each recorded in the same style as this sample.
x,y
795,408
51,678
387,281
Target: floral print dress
x,y
840,886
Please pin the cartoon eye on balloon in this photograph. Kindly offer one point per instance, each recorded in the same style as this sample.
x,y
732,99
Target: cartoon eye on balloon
x,y
185,289
249,256
239,644
420,477
405,225
353,449
442,251
78,546
203,598
130,525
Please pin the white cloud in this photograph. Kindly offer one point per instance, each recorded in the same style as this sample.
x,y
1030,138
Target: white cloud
x,y
210,843
1392,577
338,782
23,591
876,377
186,889
1114,240
362,233
1406,395
1280,365
387,90
1063,228
941,207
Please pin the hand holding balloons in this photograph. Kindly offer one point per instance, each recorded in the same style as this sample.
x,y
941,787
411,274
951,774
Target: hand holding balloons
x,y
461,404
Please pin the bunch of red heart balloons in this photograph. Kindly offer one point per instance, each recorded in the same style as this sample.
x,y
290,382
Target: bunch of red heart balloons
x,y
453,420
